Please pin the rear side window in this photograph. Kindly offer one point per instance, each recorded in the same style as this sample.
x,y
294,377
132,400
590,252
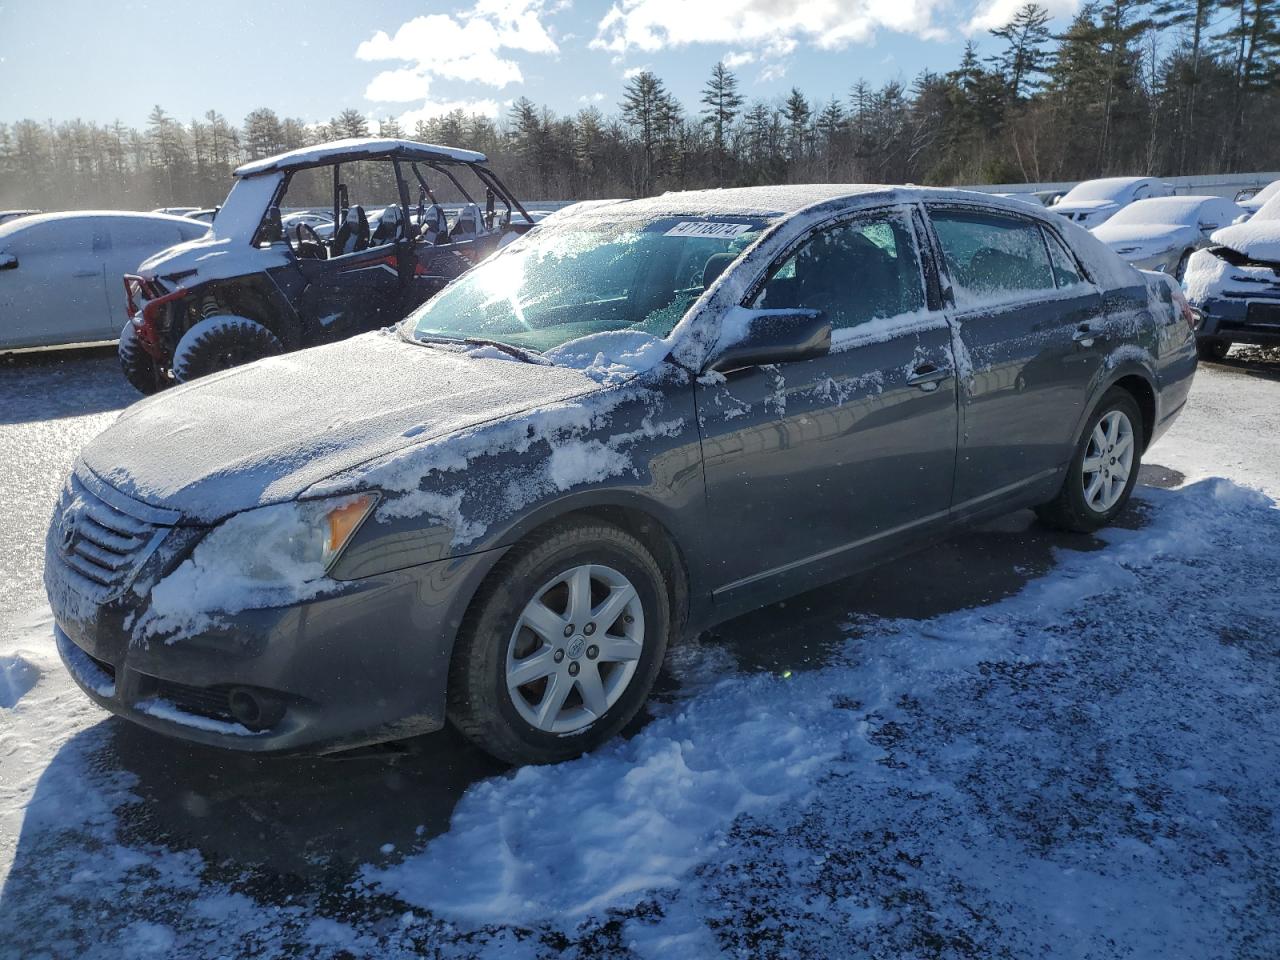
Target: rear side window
x,y
144,233
854,273
991,257
1065,271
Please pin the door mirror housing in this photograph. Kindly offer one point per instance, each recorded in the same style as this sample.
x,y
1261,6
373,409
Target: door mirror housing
x,y
760,337
8,261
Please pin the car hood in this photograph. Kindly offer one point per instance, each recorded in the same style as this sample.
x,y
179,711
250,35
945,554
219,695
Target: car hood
x,y
211,258
1256,239
1154,237
266,432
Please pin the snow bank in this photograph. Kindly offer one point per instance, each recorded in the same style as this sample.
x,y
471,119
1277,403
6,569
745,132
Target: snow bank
x,y
17,676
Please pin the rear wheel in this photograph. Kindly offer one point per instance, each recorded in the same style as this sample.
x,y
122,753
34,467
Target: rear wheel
x,y
221,342
139,368
1212,348
561,649
1104,469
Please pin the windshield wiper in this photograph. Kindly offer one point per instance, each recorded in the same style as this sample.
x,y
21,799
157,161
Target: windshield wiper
x,y
528,355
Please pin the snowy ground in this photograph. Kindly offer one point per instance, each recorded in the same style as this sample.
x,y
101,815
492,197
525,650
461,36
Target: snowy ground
x,y
1016,744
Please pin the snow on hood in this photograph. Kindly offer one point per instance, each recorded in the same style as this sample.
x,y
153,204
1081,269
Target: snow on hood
x,y
1257,239
266,432
1154,236
1083,206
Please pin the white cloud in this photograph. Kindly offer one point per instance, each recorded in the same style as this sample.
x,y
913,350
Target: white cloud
x,y
438,108
632,72
772,71
591,98
738,58
775,27
993,14
467,47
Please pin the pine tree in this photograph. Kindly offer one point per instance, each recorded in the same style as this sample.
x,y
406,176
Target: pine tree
x,y
721,102
798,114
648,109
1022,62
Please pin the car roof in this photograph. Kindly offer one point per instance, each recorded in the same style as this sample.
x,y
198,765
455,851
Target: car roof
x,y
794,199
358,148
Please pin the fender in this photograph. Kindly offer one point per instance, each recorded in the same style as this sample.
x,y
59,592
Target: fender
x,y
1123,360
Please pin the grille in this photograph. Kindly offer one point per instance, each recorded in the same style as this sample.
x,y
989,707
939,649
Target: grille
x,y
210,702
103,544
1265,313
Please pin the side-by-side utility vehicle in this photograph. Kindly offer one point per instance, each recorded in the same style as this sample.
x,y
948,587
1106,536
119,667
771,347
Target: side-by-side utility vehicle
x,y
254,286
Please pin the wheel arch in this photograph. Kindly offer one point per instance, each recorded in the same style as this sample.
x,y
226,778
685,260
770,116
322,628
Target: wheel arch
x,y
1135,377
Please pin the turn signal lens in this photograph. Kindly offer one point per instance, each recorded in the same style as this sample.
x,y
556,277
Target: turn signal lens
x,y
342,521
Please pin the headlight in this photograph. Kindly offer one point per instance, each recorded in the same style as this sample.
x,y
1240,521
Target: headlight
x,y
286,544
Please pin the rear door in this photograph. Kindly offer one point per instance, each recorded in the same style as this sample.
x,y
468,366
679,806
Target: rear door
x,y
1029,328
815,468
57,292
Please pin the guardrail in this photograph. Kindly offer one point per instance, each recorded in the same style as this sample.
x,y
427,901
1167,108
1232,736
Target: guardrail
x,y
1209,184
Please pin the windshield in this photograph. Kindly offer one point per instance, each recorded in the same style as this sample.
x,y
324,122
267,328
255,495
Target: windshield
x,y
1161,210
1098,190
587,276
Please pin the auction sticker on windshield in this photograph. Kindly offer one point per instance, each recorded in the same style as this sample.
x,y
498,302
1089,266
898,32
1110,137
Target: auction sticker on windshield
x,y
707,228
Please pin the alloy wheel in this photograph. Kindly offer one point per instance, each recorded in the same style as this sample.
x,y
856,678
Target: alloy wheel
x,y
1108,461
575,648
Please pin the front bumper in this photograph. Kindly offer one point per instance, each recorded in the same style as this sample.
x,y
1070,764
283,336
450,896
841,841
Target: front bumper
x,y
1253,320
363,663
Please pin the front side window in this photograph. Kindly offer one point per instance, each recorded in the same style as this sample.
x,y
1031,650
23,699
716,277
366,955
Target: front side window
x,y
854,273
991,257
584,276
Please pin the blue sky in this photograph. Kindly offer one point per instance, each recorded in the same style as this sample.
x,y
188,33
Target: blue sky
x,y
114,60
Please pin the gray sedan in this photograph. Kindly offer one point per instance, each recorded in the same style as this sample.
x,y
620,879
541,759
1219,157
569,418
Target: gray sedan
x,y
622,429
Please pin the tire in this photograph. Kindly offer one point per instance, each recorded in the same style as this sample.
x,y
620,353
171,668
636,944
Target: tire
x,y
221,342
142,372
1080,507
1181,269
502,720
1212,348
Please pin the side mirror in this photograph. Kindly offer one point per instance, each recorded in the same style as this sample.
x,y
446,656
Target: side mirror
x,y
8,261
760,337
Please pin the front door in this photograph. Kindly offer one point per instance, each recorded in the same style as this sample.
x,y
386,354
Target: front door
x,y
57,292
1024,313
818,467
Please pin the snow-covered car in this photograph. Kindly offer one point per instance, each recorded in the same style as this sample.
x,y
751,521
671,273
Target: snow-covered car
x,y
205,215
59,272
252,288
1161,233
618,431
1251,201
1095,201
1234,284
176,211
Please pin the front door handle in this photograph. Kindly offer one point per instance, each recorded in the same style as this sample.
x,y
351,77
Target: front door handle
x,y
1086,335
927,376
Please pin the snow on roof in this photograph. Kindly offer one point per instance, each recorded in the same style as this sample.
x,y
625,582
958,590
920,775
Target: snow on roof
x,y
11,227
1182,210
1258,239
354,148
1105,188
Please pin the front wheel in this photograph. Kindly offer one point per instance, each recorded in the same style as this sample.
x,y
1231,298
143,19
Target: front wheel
x,y
560,650
1104,469
221,342
1212,348
142,372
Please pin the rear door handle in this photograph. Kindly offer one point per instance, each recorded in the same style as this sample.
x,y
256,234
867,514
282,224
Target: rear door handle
x,y
1085,335
927,376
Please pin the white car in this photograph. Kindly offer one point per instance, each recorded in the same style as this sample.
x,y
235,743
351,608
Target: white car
x,y
1251,203
1095,201
1163,232
61,274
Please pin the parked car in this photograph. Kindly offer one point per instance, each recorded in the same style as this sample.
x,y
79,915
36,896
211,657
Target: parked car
x,y
319,223
1252,200
618,431
1234,284
7,215
176,211
1095,201
59,272
1161,233
252,288
205,216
